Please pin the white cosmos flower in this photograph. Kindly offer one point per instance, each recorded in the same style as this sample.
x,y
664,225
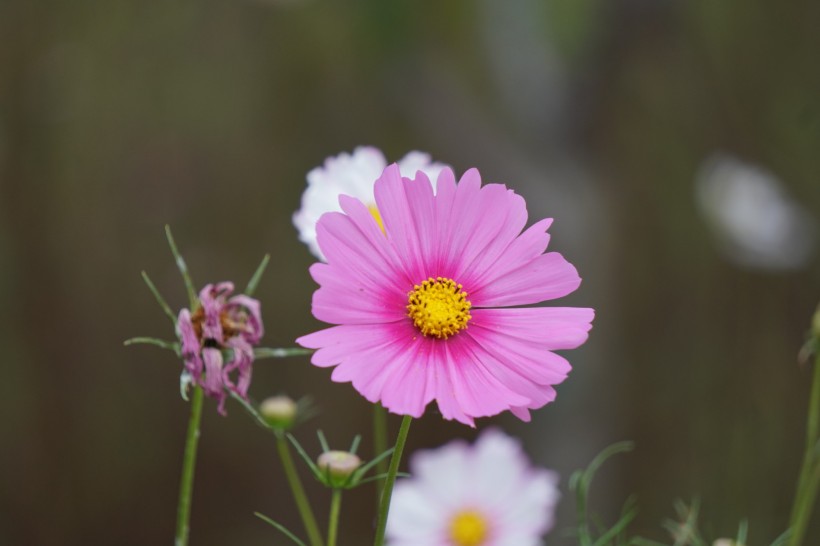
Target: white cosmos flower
x,y
486,494
354,175
755,220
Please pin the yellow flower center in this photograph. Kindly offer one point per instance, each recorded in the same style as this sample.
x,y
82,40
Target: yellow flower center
x,y
468,528
439,308
377,216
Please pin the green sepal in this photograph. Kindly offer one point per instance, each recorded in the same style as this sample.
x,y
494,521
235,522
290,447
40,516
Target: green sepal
x,y
257,276
354,446
160,300
156,342
317,472
185,381
281,528
382,476
183,270
323,441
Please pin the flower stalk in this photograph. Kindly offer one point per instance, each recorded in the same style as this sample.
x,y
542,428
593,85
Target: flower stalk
x,y
333,524
299,496
186,485
387,491
809,480
379,443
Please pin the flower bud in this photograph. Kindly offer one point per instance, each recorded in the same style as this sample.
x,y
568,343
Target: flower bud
x,y
278,411
338,466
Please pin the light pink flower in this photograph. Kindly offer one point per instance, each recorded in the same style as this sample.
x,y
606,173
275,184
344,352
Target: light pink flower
x,y
220,323
420,307
485,494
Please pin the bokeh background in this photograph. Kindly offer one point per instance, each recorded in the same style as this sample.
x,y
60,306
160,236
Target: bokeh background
x,y
676,143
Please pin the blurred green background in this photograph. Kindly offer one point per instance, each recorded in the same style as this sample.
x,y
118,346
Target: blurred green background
x,y
119,117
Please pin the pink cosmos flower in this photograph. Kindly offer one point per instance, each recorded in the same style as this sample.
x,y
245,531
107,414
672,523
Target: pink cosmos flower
x,y
220,323
485,494
423,309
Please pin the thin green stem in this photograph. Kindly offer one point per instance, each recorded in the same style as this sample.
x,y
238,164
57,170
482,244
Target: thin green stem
x,y
186,484
333,524
387,491
584,536
302,503
809,479
379,443
266,352
813,424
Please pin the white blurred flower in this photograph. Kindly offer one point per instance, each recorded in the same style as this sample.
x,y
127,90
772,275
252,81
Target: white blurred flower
x,y
354,175
756,222
486,494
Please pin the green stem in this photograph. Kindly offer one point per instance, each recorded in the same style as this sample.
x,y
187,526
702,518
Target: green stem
x,y
584,536
186,484
333,524
809,479
302,503
379,443
267,352
387,492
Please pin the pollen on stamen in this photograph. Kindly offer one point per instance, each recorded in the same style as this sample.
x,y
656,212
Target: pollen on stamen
x,y
439,307
469,528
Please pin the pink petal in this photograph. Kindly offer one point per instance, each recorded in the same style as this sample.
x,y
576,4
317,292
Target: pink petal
x,y
476,390
212,383
242,363
385,362
422,208
339,343
527,246
519,379
551,327
546,277
446,400
254,329
529,359
376,243
399,223
357,304
190,346
445,224
488,223
410,386
346,295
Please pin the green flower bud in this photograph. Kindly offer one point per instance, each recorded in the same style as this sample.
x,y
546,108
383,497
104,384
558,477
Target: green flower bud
x,y
338,466
278,411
